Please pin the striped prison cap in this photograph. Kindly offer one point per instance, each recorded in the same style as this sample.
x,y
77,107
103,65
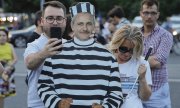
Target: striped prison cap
x,y
82,7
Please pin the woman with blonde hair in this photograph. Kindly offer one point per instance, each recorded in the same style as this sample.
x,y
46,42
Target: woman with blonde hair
x,y
127,46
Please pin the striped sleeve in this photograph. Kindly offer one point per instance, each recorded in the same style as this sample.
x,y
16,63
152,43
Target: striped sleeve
x,y
114,97
46,90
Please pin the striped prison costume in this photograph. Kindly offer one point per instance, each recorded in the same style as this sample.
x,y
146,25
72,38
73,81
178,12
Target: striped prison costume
x,y
86,73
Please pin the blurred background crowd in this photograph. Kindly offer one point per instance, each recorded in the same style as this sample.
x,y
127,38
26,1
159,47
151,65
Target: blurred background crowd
x,y
19,16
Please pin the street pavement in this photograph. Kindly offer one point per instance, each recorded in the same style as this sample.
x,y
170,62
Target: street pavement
x,y
20,100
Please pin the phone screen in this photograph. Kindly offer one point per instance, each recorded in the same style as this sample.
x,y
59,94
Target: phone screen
x,y
55,32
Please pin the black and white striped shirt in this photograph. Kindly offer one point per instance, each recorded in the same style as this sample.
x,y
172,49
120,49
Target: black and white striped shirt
x,y
85,72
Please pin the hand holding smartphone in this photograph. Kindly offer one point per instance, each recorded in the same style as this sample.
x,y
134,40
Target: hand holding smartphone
x,y
55,32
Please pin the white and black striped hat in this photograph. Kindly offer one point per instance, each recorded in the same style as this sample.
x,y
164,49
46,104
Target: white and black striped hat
x,y
82,7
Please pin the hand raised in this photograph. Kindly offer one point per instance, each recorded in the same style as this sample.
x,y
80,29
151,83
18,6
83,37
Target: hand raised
x,y
50,48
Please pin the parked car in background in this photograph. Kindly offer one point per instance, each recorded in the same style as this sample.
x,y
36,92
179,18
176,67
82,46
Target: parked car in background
x,y
176,39
137,21
172,24
175,20
19,38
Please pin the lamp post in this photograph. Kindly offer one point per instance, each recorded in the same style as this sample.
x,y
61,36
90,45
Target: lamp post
x,y
1,5
41,4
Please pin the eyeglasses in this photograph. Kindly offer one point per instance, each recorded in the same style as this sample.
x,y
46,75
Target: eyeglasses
x,y
149,13
125,50
51,19
2,35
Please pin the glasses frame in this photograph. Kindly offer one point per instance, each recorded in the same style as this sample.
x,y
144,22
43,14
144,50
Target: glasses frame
x,y
146,13
124,50
55,18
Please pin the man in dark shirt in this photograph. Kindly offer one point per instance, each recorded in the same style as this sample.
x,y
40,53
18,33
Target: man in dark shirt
x,y
37,32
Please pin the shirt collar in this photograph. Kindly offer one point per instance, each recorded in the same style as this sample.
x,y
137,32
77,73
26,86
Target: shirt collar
x,y
154,30
84,43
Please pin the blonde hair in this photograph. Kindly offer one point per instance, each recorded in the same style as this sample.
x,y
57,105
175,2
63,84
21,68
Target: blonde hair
x,y
131,33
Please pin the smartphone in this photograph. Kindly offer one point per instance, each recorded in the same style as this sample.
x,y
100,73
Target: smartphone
x,y
55,32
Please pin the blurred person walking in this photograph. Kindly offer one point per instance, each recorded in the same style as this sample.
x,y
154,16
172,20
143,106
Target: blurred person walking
x,y
85,74
53,15
98,35
127,46
116,20
117,17
161,41
8,58
37,32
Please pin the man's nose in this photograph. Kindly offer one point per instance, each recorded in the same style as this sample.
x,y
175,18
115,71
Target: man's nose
x,y
84,27
55,21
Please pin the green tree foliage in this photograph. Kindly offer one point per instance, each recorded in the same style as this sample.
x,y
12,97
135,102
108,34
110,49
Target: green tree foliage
x,y
21,6
131,7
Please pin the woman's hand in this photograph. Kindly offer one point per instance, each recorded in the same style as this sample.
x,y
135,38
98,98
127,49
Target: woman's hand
x,y
142,71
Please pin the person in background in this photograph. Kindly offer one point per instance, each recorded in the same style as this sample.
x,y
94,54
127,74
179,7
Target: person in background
x,y
85,74
53,15
117,17
161,41
116,20
98,35
68,33
127,46
37,32
8,59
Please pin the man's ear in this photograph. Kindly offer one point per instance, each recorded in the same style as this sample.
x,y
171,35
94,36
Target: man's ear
x,y
41,20
158,14
72,27
140,13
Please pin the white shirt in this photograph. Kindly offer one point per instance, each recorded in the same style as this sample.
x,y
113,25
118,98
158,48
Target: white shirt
x,y
129,72
33,75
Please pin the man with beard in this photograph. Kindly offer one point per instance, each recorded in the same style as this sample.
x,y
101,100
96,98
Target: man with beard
x,y
53,15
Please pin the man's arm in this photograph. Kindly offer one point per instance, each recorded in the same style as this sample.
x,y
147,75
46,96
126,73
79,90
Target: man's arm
x,y
46,90
114,97
34,60
154,63
162,53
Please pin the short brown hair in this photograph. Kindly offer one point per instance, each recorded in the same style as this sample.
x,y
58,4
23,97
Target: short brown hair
x,y
150,3
116,11
56,4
